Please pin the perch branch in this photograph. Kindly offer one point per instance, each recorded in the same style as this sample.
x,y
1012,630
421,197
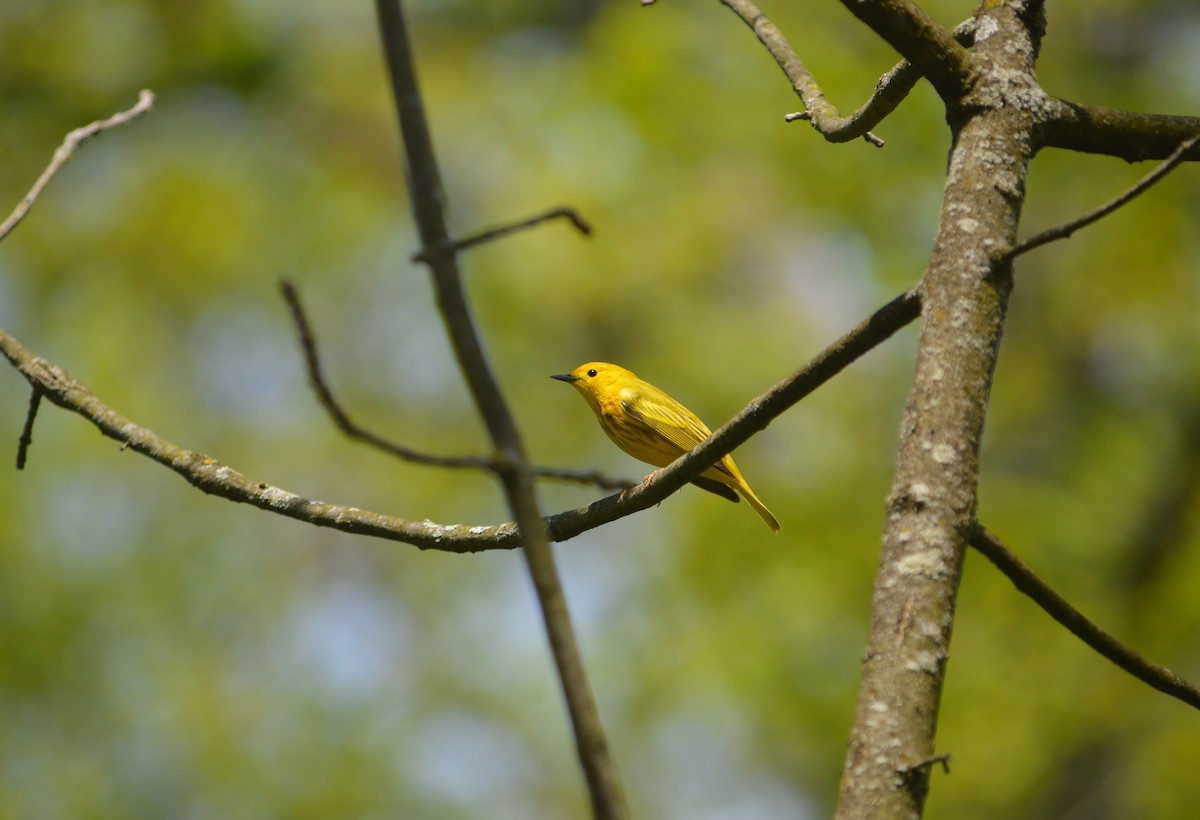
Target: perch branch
x,y
1065,231
1158,677
70,144
220,480
760,412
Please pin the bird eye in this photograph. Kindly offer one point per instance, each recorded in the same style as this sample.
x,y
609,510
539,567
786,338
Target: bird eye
x,y
592,372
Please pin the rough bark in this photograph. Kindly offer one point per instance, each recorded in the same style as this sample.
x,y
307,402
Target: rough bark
x,y
931,507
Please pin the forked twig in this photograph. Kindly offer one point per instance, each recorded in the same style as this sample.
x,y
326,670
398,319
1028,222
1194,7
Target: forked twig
x,y
890,90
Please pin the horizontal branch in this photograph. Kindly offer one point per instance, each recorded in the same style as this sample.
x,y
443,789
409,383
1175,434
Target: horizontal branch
x,y
1134,137
1025,580
217,479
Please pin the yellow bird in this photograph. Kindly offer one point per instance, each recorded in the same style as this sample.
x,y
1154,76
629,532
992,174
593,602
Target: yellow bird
x,y
652,427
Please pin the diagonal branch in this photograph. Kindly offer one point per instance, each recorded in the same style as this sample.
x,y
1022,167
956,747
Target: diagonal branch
x,y
70,144
1159,677
604,786
341,418
1142,185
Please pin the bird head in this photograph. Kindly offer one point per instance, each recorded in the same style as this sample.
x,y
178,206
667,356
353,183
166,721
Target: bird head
x,y
596,379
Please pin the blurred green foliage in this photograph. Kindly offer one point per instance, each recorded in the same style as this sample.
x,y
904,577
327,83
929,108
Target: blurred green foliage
x,y
163,653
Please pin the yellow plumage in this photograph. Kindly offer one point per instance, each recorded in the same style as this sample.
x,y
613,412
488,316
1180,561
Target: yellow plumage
x,y
652,427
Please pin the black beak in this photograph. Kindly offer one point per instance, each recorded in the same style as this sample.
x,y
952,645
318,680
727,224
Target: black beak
x,y
565,377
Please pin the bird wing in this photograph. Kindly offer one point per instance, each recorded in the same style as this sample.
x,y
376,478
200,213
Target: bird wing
x,y
665,416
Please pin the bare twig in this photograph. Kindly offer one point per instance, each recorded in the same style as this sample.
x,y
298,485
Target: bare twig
x,y
890,90
600,774
1159,677
72,142
492,234
340,417
342,420
1142,185
26,439
818,110
213,477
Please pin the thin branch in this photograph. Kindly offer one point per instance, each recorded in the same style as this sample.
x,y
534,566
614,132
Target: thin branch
x,y
604,786
213,477
73,140
1065,231
492,234
818,110
891,90
1129,135
1158,677
342,420
26,439
218,479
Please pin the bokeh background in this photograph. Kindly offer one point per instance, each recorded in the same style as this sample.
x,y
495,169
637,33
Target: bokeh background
x,y
168,654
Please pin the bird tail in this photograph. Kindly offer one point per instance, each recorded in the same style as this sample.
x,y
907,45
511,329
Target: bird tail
x,y
759,507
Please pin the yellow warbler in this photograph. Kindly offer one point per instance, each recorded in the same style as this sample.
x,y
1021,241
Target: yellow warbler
x,y
652,427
